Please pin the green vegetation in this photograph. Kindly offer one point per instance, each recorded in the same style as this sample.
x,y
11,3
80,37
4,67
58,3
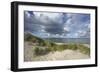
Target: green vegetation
x,y
42,47
84,49
41,50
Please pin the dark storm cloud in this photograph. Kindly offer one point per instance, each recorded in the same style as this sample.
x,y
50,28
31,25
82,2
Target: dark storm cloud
x,y
34,23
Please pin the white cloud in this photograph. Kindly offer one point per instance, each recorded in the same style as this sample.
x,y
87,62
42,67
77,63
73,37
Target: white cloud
x,y
48,17
69,21
57,24
48,34
69,15
66,29
42,30
27,14
81,32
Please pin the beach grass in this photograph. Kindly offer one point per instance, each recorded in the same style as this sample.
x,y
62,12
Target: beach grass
x,y
42,47
47,49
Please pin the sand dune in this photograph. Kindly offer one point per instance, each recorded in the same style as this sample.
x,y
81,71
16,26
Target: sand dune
x,y
62,55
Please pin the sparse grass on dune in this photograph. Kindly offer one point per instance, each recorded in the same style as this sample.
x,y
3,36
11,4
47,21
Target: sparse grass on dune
x,y
84,49
42,47
54,48
41,50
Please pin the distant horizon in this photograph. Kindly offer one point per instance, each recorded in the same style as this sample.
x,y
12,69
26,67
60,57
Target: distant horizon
x,y
69,38
57,37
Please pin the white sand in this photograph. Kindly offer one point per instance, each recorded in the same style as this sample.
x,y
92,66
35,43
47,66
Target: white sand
x,y
64,55
57,55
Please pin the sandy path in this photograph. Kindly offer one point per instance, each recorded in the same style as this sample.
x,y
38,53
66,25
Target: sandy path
x,y
63,55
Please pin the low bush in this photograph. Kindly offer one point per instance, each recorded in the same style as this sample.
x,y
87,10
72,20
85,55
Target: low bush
x,y
41,50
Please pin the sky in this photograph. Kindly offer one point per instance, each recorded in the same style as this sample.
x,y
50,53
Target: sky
x,y
57,25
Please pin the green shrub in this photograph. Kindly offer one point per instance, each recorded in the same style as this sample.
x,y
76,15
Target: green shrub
x,y
41,50
72,46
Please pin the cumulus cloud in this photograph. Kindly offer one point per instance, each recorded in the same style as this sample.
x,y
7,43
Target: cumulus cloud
x,y
46,24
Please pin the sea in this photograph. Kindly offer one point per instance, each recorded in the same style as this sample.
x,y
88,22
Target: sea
x,y
69,40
